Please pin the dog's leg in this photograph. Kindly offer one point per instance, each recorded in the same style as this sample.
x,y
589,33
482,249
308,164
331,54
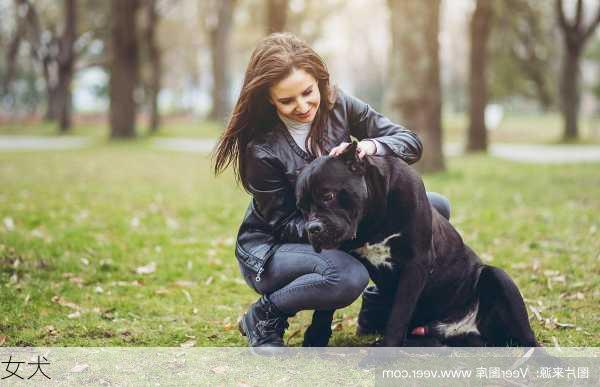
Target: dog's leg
x,y
411,282
502,316
319,331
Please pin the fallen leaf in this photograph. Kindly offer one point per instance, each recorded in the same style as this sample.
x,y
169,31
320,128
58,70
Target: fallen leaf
x,y
149,268
188,344
172,223
161,291
185,283
220,370
50,330
208,281
75,314
564,325
80,368
2,340
227,324
337,327
77,281
61,301
135,222
550,323
9,224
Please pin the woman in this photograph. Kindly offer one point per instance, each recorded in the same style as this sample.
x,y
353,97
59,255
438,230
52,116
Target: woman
x,y
287,114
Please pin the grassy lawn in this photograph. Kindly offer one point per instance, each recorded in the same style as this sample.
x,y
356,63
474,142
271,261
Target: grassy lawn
x,y
125,245
97,129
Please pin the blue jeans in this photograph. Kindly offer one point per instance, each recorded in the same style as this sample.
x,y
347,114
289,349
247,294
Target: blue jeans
x,y
297,278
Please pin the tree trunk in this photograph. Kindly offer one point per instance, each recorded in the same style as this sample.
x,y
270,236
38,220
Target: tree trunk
x,y
575,36
414,94
480,30
13,47
155,63
124,68
66,61
276,15
220,36
569,94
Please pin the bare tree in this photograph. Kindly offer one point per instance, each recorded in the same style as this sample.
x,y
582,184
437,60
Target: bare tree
x,y
219,23
575,36
65,62
414,91
276,15
124,68
478,86
154,56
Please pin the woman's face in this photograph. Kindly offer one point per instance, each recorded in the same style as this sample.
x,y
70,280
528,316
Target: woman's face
x,y
297,96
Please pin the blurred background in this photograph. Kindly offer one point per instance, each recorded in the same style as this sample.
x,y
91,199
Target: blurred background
x,y
114,230
462,71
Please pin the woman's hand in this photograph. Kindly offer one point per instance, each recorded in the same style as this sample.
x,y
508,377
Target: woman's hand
x,y
364,148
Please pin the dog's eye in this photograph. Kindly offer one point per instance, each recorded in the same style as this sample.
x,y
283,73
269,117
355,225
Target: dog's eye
x,y
328,196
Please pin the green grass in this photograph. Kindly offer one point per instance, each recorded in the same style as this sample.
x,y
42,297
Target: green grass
x,y
75,225
97,128
546,128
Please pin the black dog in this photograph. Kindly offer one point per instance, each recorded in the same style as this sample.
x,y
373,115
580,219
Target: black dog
x,y
377,209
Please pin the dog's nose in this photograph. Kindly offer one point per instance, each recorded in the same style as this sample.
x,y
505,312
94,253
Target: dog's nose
x,y
315,228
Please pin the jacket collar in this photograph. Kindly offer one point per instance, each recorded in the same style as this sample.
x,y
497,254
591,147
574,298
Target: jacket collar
x,y
290,140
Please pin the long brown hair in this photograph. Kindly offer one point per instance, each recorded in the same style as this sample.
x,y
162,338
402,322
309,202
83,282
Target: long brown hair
x,y
273,59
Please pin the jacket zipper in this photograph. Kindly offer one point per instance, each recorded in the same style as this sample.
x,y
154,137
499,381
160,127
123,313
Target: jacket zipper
x,y
267,258
258,278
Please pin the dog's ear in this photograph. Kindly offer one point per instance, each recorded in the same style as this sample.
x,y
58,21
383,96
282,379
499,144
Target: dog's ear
x,y
349,154
350,157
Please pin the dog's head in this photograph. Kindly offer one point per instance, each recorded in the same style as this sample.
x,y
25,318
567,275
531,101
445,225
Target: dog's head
x,y
331,193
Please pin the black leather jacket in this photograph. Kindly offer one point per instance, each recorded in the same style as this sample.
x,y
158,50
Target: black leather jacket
x,y
274,161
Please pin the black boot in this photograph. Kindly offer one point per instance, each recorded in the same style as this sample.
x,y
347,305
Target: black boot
x,y
263,324
374,312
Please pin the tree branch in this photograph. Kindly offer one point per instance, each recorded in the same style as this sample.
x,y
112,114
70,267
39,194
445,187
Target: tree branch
x,y
560,12
578,15
592,27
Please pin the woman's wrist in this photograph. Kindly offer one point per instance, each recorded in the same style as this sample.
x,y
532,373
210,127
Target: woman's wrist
x,y
369,146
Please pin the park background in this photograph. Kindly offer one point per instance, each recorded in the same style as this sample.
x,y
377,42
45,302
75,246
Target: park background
x,y
114,230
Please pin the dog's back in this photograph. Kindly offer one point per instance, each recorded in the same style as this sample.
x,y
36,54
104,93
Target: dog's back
x,y
455,267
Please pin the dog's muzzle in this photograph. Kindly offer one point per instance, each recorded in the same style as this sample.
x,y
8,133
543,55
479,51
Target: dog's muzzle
x,y
315,228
